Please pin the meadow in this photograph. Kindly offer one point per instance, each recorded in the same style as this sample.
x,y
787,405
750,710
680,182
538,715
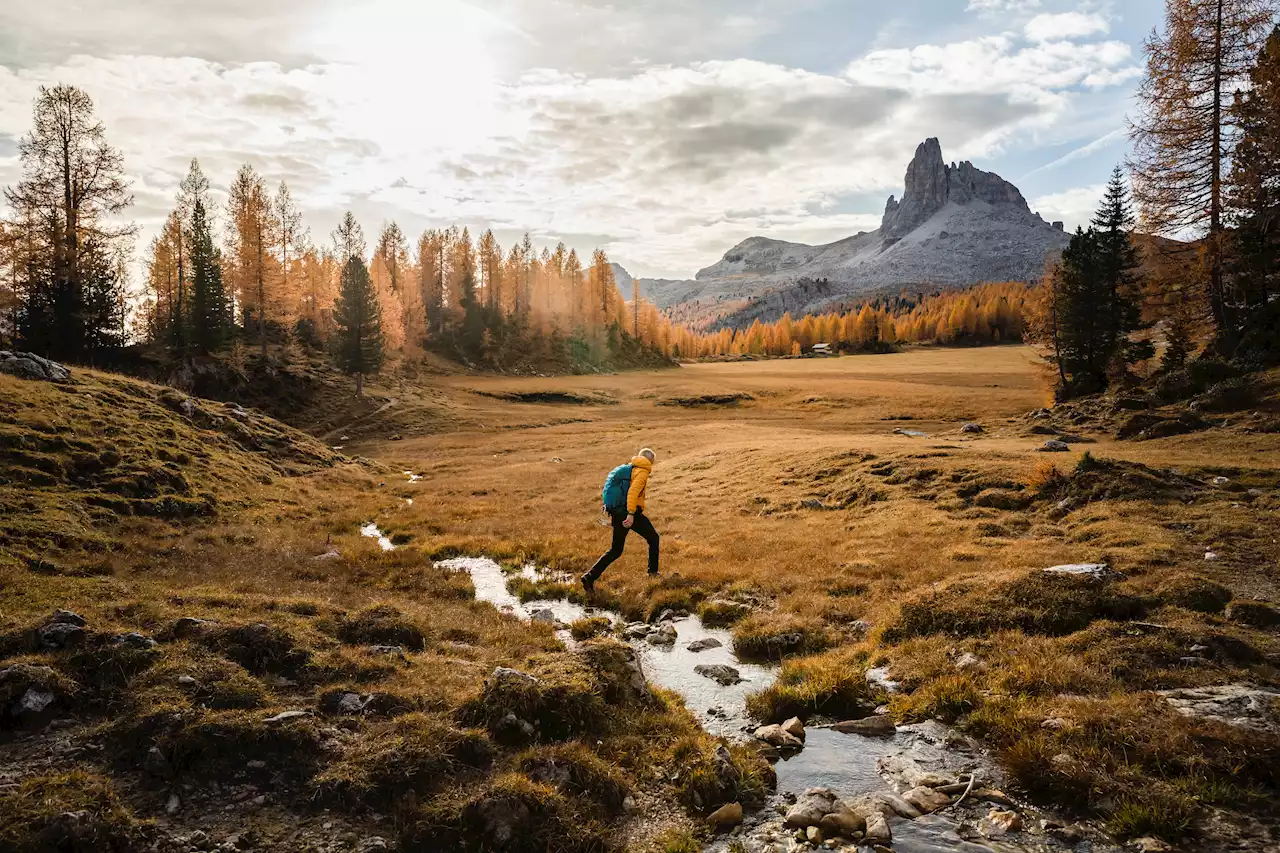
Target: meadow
x,y
834,511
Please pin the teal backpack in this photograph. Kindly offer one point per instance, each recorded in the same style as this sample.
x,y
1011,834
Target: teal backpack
x,y
616,486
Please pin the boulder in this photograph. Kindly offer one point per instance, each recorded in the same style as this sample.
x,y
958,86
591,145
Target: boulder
x,y
969,661
63,631
794,727
665,635
1055,446
876,725
811,807
972,429
32,704
775,735
27,365
704,644
726,817
543,615
618,667
877,829
926,799
720,673
885,803
503,675
842,823
905,772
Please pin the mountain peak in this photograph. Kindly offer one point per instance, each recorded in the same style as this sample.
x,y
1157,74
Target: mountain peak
x,y
932,184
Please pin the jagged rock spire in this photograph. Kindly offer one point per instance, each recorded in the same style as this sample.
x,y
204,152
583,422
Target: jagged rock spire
x,y
931,184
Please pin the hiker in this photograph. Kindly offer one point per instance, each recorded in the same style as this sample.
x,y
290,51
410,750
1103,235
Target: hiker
x,y
624,502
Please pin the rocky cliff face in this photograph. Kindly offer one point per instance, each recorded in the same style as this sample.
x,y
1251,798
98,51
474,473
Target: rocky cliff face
x,y
932,184
956,225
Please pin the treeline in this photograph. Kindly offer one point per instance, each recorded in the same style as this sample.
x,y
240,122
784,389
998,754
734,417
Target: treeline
x,y
984,314
446,291
1206,164
248,273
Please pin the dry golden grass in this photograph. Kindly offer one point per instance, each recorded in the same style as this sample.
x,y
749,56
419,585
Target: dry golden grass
x,y
795,512
784,485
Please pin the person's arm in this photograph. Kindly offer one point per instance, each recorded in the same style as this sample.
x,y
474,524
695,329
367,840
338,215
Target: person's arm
x,y
639,477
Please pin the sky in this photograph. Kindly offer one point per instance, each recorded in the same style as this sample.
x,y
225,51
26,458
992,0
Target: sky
x,y
662,131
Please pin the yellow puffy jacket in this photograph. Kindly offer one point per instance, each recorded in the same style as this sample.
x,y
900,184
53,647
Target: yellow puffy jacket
x,y
640,468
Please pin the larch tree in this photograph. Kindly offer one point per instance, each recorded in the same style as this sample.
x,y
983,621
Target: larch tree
x,y
348,240
1253,195
71,186
293,238
357,317
250,242
1185,134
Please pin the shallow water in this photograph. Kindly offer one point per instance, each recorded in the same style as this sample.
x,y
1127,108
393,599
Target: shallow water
x,y
834,760
371,531
845,763
672,667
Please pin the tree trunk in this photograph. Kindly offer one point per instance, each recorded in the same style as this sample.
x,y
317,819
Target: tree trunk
x,y
1217,295
262,297
359,384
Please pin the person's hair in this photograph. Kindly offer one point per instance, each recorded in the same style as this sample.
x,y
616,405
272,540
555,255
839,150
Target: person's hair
x,y
648,453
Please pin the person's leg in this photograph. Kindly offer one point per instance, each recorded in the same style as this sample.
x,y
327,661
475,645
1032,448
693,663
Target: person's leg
x,y
644,527
615,549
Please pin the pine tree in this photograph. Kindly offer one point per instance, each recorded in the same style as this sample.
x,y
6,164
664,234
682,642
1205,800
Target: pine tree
x,y
210,309
1118,265
1185,136
358,345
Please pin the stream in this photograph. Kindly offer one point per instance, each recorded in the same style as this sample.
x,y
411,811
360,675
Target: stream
x,y
849,765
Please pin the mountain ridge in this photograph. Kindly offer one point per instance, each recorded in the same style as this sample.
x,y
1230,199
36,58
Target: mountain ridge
x,y
955,225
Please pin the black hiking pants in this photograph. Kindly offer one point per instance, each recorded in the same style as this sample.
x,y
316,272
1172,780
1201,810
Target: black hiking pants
x,y
642,525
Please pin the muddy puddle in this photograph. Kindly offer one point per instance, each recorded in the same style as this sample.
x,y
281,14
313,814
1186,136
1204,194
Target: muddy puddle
x,y
848,764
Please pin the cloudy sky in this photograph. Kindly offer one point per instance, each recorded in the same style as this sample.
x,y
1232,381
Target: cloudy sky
x,y
663,131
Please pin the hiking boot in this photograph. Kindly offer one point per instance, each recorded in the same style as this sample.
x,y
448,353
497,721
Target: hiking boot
x,y
589,584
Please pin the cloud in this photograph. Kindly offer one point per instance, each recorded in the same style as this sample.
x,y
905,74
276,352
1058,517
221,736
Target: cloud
x,y
1068,25
1002,5
664,162
1099,144
1075,207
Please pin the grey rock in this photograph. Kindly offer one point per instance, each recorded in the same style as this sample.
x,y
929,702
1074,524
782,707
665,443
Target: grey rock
x,y
188,681
60,635
67,617
134,640
1096,571
811,807
156,764
879,724
543,615
665,635
513,725
1055,446
502,673
27,365
719,673
879,677
777,736
1242,705
704,644
173,805
32,703
972,429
